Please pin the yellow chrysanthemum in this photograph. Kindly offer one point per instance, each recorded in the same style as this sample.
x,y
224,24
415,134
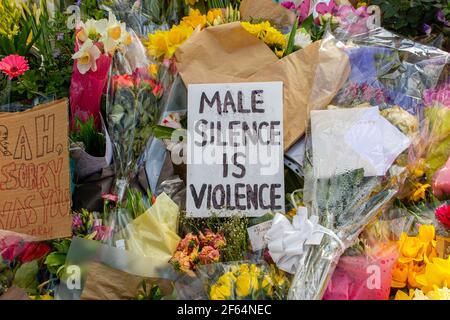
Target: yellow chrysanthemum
x,y
271,36
437,273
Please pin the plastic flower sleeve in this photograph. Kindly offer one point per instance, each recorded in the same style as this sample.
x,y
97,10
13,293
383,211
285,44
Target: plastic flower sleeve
x,y
345,204
364,272
243,280
387,69
132,108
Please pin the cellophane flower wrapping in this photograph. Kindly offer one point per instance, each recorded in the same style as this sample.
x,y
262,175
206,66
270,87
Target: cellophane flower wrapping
x,y
131,109
386,72
364,272
237,280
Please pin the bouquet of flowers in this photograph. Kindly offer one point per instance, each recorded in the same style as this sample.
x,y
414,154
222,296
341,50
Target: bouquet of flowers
x,y
194,250
245,281
96,43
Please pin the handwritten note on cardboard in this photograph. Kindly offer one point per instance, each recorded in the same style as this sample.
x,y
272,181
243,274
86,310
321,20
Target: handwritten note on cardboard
x,y
34,171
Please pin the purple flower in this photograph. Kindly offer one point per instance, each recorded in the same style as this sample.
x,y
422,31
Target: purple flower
x,y
59,36
78,3
76,222
426,29
441,17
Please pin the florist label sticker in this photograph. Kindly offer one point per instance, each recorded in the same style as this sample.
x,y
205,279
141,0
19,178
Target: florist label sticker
x,y
34,172
235,149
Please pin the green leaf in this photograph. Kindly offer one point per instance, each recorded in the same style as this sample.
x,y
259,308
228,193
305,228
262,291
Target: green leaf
x,y
290,45
26,276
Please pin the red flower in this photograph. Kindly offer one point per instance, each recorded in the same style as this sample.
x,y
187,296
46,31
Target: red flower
x,y
123,81
157,90
14,65
34,251
10,247
443,215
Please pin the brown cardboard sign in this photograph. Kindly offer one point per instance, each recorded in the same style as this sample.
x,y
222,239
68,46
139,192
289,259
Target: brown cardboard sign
x,y
34,171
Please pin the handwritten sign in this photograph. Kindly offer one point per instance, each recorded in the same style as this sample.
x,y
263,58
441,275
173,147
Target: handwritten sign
x,y
34,172
235,149
256,234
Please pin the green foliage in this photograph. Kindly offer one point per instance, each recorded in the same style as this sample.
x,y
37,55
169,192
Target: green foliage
x,y
26,277
149,293
290,45
94,142
55,261
407,17
136,204
47,44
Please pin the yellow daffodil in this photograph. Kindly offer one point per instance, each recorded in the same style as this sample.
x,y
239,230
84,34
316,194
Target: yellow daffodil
x,y
437,273
401,295
399,275
411,249
163,44
90,29
194,19
214,17
87,56
113,33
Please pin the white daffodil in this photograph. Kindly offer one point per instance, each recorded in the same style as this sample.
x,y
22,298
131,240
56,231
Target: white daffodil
x,y
87,57
302,39
114,35
91,29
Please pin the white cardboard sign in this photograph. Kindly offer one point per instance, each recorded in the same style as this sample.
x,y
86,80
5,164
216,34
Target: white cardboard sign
x,y
235,149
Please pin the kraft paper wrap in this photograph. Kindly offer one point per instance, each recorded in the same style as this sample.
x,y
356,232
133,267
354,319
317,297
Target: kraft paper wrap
x,y
154,233
267,10
106,283
227,53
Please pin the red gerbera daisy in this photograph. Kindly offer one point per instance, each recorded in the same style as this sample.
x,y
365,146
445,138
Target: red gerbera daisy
x,y
14,65
443,215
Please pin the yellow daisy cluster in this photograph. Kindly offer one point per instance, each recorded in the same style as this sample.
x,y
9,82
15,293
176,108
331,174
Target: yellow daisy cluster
x,y
247,280
10,13
271,36
163,44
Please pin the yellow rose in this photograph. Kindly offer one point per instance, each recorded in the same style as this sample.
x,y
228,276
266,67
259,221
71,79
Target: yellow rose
x,y
246,283
267,285
220,292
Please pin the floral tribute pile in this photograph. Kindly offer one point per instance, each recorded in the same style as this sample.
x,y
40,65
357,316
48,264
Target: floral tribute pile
x,y
371,220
